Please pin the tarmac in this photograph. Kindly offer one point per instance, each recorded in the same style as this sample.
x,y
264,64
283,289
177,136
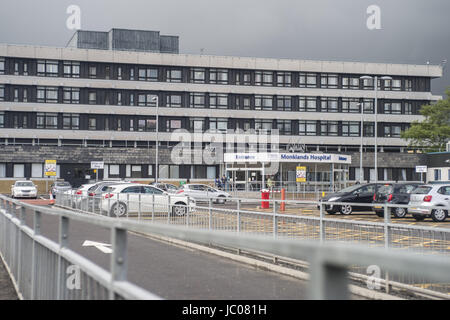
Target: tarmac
x,y
7,291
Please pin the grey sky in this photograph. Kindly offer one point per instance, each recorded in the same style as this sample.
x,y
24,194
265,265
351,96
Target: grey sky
x,y
413,31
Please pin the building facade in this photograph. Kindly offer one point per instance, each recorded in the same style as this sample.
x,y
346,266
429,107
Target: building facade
x,y
89,102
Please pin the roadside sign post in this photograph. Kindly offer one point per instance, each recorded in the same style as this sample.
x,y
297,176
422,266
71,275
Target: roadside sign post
x,y
97,165
49,171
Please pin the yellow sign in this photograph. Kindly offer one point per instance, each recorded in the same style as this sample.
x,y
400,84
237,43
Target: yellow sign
x,y
301,174
50,167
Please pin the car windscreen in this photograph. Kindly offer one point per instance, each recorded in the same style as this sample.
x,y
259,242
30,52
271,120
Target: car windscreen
x,y
63,184
350,189
24,184
385,189
422,190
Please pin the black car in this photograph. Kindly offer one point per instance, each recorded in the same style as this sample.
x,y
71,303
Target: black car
x,y
393,193
358,193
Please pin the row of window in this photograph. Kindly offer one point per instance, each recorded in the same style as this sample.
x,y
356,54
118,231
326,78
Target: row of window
x,y
74,69
70,95
70,121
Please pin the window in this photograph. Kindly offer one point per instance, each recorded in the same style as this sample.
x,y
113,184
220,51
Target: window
x,y
148,74
329,128
148,125
172,125
392,108
392,131
131,73
119,73
350,82
173,100
16,95
218,101
47,68
147,100
307,128
37,170
218,124
19,170
2,119
350,105
71,69
16,68
25,95
284,103
307,104
368,105
2,66
131,99
308,80
114,171
71,95
92,97
197,124
284,127
408,85
218,76
263,78
47,94
392,84
2,93
243,78
174,75
329,81
329,105
263,102
369,129
350,129
198,75
47,121
437,174
119,98
92,124
284,79
264,126
25,68
136,171
408,108
71,121
197,100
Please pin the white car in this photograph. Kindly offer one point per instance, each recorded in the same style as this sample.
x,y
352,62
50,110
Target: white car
x,y
79,194
23,189
122,199
203,192
430,195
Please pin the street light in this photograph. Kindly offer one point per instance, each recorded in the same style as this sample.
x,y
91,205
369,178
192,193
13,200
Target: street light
x,y
375,85
361,105
156,99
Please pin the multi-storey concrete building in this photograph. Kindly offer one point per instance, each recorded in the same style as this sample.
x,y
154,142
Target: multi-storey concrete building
x,y
95,100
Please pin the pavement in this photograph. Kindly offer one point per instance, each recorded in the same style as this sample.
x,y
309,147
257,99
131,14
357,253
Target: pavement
x,y
7,291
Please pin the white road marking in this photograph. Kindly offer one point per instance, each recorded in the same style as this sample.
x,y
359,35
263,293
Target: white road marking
x,y
103,247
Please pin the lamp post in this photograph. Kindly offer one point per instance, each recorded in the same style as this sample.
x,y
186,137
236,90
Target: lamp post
x,y
361,105
156,99
375,85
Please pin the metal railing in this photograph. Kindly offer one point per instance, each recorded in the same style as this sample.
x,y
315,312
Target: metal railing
x,y
242,217
38,264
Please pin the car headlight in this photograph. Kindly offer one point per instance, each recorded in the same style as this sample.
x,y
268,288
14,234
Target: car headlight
x,y
333,199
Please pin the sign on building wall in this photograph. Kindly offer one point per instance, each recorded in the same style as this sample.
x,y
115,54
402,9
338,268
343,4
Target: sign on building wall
x,y
421,169
300,174
97,164
50,168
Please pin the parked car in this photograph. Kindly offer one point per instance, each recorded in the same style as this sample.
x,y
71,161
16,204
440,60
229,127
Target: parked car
x,y
358,193
203,192
79,195
94,193
430,195
393,193
122,199
170,188
60,187
23,189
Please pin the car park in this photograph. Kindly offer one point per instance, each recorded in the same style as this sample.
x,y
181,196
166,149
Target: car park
x,y
168,187
358,193
24,189
122,199
393,193
430,195
203,192
60,187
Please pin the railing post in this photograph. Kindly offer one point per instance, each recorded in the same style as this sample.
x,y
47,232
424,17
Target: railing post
x,y
128,204
153,207
387,237
168,209
187,212
321,223
275,219
119,258
20,249
209,213
139,206
63,243
37,231
238,215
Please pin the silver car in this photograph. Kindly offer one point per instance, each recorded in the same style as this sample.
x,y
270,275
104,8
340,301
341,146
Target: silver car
x,y
203,192
432,195
60,187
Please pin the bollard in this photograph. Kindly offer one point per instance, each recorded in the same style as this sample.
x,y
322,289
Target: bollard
x,y
283,197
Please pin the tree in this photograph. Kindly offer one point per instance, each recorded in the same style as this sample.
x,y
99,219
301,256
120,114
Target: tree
x,y
433,132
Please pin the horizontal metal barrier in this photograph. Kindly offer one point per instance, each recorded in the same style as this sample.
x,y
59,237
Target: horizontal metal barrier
x,y
329,262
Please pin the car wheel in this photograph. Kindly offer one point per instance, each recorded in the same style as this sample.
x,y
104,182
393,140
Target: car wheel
x,y
418,217
118,209
380,214
179,209
439,215
399,212
221,200
346,209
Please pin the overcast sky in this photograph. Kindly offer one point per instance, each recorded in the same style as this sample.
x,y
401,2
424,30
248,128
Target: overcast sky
x,y
412,31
